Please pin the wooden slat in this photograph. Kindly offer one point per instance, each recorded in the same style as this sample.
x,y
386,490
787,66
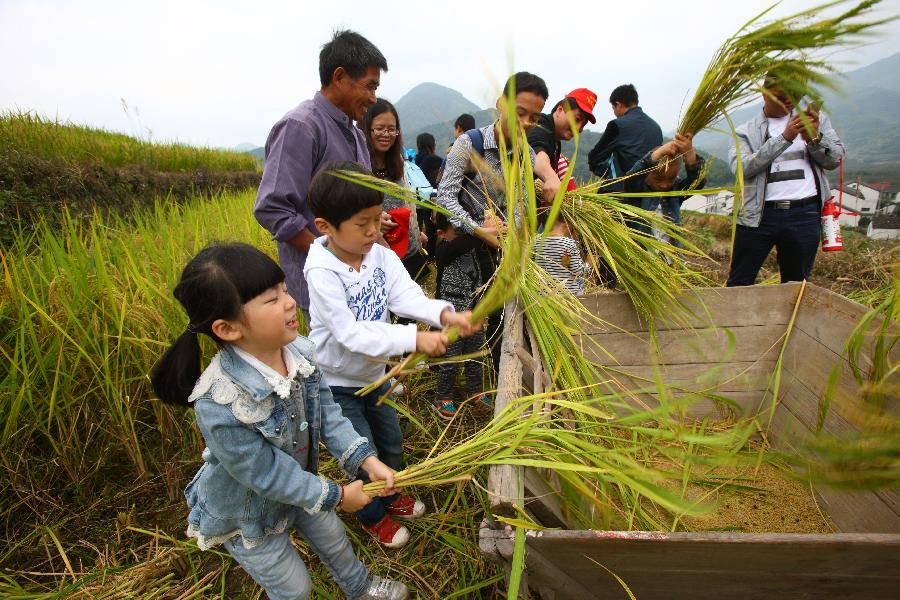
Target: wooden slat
x,y
804,403
706,566
543,501
829,318
674,347
722,307
737,376
732,405
891,499
505,488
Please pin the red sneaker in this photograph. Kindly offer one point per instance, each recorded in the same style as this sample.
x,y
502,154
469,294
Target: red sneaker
x,y
389,532
405,507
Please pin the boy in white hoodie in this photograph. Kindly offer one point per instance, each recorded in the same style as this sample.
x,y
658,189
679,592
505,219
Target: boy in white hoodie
x,y
353,284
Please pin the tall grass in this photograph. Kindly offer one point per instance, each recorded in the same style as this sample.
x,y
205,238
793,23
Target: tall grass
x,y
29,133
84,317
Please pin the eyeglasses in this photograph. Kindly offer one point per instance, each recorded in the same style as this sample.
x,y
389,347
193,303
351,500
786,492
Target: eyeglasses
x,y
388,131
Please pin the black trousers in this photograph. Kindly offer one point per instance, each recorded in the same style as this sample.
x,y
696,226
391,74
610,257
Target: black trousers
x,y
793,232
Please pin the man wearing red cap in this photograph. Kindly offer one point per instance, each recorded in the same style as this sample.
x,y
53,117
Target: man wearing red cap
x,y
555,127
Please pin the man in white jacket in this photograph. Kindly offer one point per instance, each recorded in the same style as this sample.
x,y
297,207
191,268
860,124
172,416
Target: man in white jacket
x,y
354,284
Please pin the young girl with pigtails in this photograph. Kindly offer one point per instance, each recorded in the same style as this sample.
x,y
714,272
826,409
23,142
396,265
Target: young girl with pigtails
x,y
263,406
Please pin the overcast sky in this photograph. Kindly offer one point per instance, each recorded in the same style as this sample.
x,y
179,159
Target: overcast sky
x,y
222,72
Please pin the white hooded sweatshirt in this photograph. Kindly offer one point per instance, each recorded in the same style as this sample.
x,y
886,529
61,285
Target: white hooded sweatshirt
x,y
348,313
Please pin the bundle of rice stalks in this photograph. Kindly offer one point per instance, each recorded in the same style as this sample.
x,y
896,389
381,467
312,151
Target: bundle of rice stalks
x,y
653,272
790,49
602,448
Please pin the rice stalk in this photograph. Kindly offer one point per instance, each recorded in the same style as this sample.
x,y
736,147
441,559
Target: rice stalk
x,y
791,49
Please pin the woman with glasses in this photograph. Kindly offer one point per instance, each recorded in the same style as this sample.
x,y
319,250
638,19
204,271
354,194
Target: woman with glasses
x,y
381,126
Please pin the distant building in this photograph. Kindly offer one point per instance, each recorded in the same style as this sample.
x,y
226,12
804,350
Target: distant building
x,y
879,193
714,204
884,227
854,205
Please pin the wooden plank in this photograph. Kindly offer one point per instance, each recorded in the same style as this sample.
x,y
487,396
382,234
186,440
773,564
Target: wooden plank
x,y
804,403
858,512
505,489
830,318
723,307
672,347
730,405
738,376
725,565
891,498
810,363
543,501
544,573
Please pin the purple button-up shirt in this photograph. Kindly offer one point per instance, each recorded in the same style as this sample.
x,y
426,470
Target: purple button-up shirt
x,y
307,137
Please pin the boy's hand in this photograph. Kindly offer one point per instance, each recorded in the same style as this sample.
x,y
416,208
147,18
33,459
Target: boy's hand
x,y
684,144
667,149
432,343
387,223
378,471
354,497
463,320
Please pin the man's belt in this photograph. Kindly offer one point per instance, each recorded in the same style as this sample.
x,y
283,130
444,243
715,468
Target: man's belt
x,y
786,204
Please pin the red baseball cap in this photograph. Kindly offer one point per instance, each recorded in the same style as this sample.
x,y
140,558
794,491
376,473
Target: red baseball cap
x,y
586,100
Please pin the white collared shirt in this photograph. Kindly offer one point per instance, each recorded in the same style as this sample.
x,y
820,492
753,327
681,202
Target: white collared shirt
x,y
281,384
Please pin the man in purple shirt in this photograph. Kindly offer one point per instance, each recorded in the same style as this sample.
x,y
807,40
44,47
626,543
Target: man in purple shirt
x,y
316,132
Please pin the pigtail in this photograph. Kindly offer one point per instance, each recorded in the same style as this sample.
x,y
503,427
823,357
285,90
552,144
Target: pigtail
x,y
174,375
214,285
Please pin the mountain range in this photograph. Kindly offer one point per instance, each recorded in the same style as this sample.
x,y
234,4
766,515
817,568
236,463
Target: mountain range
x,y
866,115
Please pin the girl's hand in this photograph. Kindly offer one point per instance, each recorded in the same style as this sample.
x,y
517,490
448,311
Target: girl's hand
x,y
462,320
354,497
378,471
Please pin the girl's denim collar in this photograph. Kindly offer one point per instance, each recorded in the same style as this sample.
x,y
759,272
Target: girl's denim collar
x,y
243,374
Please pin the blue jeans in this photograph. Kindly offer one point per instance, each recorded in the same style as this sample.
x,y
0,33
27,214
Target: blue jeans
x,y
379,425
794,232
276,566
671,210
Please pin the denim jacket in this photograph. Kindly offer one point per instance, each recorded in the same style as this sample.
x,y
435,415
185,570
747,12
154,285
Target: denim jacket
x,y
758,151
251,478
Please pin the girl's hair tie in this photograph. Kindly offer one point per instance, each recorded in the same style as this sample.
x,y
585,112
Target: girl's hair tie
x,y
191,328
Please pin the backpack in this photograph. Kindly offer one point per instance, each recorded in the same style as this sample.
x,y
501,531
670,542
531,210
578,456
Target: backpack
x,y
416,179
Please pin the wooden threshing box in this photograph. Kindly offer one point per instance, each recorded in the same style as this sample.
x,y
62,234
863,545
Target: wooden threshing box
x,y
860,562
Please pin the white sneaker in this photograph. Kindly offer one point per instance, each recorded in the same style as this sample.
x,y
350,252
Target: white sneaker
x,y
382,588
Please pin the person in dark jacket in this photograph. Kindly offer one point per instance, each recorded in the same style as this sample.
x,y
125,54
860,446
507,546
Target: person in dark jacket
x,y
426,159
626,139
458,280
661,167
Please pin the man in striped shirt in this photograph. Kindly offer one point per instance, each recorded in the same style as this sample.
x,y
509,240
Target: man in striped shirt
x,y
473,190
